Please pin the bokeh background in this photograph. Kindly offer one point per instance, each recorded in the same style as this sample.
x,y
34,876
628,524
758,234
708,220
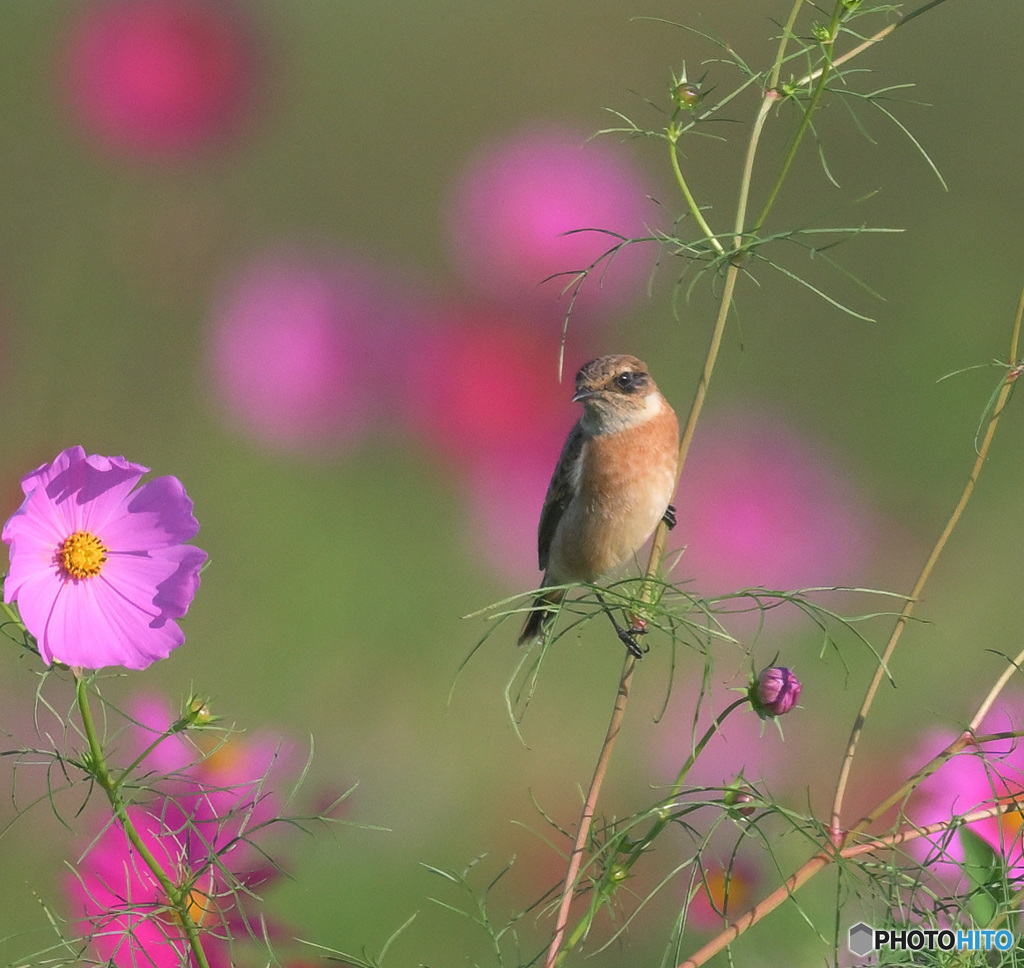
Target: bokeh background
x,y
292,254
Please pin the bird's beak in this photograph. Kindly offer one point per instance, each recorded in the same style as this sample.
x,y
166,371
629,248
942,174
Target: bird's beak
x,y
581,395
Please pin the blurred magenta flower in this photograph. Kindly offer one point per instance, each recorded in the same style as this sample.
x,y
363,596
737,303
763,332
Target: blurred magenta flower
x,y
516,198
101,571
119,904
160,78
214,800
760,506
971,780
774,692
485,386
301,347
228,787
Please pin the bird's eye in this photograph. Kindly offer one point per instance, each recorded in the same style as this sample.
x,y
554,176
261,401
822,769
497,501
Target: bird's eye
x,y
625,380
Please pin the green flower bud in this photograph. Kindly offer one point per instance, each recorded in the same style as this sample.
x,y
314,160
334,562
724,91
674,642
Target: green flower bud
x,y
686,96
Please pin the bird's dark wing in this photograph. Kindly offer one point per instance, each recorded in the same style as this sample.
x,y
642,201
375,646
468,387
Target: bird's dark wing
x,y
560,492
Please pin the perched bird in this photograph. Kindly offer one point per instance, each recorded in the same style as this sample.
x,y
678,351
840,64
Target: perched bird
x,y
612,485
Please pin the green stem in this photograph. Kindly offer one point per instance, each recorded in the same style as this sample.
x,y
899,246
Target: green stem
x,y
805,121
787,35
704,740
638,847
839,840
691,202
178,897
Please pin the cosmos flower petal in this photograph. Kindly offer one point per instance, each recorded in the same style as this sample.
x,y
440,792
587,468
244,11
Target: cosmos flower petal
x,y
116,899
34,539
157,515
88,489
169,578
36,596
93,626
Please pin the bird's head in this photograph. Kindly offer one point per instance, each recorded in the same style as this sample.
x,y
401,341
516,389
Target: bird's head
x,y
617,392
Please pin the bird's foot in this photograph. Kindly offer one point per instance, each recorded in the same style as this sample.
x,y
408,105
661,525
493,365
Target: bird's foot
x,y
628,639
669,517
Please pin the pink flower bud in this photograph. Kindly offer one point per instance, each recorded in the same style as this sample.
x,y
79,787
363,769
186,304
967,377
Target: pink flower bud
x,y
774,692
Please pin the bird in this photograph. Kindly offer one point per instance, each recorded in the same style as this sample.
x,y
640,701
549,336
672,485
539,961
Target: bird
x,y
613,483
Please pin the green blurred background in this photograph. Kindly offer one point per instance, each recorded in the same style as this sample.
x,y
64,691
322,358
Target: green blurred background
x,y
332,605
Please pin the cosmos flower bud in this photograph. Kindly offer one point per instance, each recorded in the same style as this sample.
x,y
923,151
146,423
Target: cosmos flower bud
x,y
741,800
686,96
774,692
198,713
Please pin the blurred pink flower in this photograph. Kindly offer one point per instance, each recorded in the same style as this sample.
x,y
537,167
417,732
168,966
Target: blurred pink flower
x,y
121,906
485,387
515,200
160,78
302,347
971,780
229,788
485,393
760,506
99,570
214,800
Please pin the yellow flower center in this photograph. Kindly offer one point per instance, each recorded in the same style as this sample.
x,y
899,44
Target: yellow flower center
x,y
198,905
81,555
223,760
1012,820
728,890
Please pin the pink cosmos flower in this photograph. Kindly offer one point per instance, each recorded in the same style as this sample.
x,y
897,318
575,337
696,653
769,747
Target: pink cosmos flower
x,y
122,907
214,800
971,780
159,78
100,570
517,198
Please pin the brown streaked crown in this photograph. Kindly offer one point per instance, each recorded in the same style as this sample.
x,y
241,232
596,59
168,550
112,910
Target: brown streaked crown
x,y
615,392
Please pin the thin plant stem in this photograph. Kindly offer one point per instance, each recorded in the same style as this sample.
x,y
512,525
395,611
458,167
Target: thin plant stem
x,y
684,772
691,202
589,808
787,35
820,82
178,897
622,695
871,41
1009,381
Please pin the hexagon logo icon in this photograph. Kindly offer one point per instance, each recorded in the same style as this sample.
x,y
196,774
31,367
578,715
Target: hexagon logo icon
x,y
862,939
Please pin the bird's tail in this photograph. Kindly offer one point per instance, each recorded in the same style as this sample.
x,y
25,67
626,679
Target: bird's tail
x,y
540,619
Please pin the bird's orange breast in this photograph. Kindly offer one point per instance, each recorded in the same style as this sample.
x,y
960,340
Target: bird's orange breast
x,y
626,481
